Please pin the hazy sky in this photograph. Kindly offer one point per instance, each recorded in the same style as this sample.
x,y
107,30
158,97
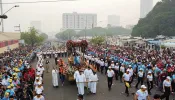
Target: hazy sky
x,y
50,14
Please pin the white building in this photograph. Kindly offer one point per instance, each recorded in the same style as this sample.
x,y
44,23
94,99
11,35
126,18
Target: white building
x,y
145,7
78,21
114,20
36,25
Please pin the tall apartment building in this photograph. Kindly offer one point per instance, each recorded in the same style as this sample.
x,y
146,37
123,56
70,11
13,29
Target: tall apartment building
x,y
114,20
78,21
145,7
36,25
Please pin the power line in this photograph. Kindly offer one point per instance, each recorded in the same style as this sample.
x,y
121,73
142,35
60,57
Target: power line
x,y
48,1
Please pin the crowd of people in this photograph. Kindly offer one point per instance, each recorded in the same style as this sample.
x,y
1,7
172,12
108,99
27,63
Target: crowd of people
x,y
151,68
148,68
16,74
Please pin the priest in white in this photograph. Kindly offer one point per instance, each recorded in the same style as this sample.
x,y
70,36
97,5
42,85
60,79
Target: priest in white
x,y
76,74
87,73
55,77
93,82
80,80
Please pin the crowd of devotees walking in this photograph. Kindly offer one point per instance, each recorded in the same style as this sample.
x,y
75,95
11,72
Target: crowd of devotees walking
x,y
148,68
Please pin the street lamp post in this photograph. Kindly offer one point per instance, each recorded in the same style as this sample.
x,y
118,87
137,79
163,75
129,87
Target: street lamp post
x,y
2,22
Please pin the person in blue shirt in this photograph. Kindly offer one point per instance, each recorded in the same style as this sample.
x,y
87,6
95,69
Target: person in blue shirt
x,y
6,96
156,72
115,59
139,66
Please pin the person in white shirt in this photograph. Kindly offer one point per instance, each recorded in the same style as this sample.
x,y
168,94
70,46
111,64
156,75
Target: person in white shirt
x,y
38,77
140,77
37,81
55,77
110,75
142,94
127,79
40,70
39,96
80,80
5,81
122,71
167,88
149,81
87,73
93,82
76,73
39,87
102,64
130,72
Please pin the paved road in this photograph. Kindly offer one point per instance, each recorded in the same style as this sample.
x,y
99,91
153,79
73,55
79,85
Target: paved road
x,y
69,91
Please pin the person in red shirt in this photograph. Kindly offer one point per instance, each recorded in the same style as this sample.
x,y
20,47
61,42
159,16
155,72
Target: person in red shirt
x,y
31,72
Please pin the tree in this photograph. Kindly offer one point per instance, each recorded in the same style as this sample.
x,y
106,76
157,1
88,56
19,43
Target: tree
x,y
44,35
65,35
98,40
99,31
32,37
160,21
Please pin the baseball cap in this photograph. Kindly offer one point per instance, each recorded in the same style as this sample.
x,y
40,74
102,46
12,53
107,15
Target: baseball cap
x,y
143,86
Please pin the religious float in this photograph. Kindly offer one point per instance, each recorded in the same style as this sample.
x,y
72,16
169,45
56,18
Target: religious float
x,y
76,50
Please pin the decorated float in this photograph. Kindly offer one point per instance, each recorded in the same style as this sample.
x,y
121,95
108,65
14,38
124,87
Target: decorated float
x,y
75,59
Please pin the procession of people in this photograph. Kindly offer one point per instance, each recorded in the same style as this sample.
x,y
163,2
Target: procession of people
x,y
148,68
154,68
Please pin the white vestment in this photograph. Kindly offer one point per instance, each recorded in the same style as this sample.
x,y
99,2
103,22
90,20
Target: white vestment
x,y
87,74
93,84
76,74
55,77
80,83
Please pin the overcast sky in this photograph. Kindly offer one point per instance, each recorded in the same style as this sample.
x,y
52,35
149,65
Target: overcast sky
x,y
50,14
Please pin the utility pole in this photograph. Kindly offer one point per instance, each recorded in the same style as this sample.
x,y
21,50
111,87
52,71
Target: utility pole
x,y
19,28
2,21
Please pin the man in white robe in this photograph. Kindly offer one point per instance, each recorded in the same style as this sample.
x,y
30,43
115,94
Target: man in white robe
x,y
93,82
80,80
87,73
55,77
76,74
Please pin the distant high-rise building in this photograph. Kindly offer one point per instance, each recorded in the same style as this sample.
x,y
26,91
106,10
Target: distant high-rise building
x,y
78,21
114,20
36,25
145,7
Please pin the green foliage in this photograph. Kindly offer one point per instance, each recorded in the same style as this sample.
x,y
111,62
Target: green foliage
x,y
160,21
33,37
98,40
44,35
65,35
97,31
